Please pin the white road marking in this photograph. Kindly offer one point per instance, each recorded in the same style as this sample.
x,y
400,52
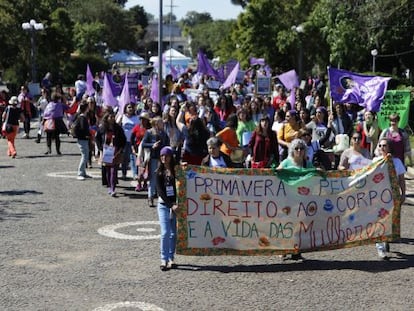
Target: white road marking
x,y
110,230
131,304
73,174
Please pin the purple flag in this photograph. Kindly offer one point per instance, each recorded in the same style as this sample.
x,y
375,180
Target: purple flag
x,y
257,61
204,65
89,81
107,96
349,87
232,76
289,79
154,88
228,67
124,98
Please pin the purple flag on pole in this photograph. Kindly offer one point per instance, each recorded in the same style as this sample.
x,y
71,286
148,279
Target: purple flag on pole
x,y
124,98
154,88
232,76
107,96
204,65
89,81
257,61
349,87
289,79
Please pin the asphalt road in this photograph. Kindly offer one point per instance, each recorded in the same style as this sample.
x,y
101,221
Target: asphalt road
x,y
66,245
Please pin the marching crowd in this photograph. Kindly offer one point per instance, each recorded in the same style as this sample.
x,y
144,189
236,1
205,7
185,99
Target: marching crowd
x,y
238,129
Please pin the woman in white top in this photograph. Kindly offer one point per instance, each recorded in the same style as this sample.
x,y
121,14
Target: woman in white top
x,y
354,157
385,148
128,121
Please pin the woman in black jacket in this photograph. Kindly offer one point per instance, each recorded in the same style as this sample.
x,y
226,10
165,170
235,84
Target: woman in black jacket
x,y
167,205
81,131
110,135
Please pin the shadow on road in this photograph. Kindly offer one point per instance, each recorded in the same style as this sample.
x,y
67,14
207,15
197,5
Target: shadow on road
x,y
398,261
6,205
19,192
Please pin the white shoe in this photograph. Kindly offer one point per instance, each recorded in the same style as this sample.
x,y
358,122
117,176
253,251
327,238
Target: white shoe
x,y
171,264
163,265
381,253
80,178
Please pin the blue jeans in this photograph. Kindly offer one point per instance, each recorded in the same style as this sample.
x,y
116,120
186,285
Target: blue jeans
x,y
129,158
168,232
83,145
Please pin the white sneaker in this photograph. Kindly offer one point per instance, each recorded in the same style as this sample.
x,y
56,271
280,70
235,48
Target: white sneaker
x,y
171,264
163,265
381,253
80,178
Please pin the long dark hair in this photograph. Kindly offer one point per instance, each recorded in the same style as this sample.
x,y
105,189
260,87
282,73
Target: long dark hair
x,y
161,167
260,130
105,122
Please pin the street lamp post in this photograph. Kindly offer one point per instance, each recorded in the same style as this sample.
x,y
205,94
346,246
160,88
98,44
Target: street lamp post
x,y
374,54
160,61
32,27
299,30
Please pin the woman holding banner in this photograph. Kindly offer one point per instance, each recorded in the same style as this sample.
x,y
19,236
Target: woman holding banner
x,y
296,160
355,157
385,148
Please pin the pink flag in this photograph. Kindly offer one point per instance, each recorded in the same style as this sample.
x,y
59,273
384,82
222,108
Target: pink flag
x,y
232,76
107,96
124,98
89,81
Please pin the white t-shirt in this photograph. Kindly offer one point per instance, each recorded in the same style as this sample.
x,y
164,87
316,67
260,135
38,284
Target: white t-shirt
x,y
128,124
217,162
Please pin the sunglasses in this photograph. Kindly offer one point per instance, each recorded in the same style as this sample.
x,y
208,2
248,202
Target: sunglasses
x,y
299,148
356,138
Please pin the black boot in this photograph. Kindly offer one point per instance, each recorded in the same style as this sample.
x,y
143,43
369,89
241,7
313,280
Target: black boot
x,y
49,150
38,138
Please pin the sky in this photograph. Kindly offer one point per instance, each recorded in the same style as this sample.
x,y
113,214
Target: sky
x,y
218,9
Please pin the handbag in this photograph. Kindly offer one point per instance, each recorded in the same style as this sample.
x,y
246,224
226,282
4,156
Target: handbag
x,y
108,154
49,125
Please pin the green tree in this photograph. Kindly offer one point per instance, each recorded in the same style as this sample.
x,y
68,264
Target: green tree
x,y
191,19
119,31
210,36
265,30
